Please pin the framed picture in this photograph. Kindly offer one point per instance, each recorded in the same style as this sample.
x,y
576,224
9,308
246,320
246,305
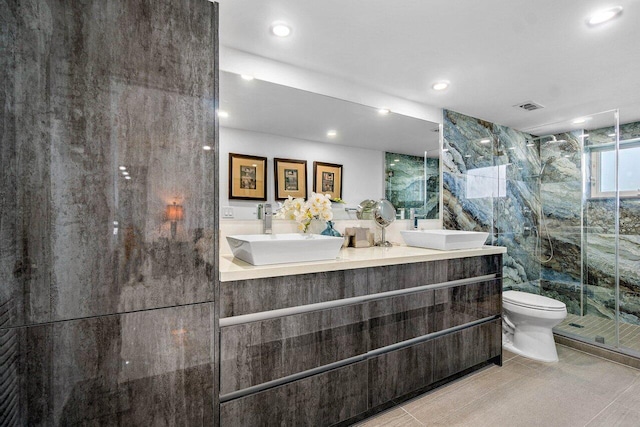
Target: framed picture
x,y
327,179
290,178
247,177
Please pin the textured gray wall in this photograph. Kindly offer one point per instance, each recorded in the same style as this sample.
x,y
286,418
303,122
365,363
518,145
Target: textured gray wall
x,y
105,317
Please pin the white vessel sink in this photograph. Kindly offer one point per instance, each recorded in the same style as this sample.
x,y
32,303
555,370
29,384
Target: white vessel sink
x,y
263,249
444,239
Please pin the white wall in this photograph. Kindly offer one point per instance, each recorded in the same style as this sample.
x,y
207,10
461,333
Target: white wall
x,y
362,172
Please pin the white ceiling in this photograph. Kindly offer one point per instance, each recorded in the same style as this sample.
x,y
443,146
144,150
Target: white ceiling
x,y
495,53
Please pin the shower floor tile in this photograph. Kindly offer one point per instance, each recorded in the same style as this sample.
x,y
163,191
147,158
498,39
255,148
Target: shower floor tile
x,y
524,392
600,329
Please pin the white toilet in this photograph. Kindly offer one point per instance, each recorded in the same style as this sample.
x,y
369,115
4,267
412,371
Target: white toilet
x,y
527,320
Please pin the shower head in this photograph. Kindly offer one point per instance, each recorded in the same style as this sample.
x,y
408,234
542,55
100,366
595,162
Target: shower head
x,y
553,140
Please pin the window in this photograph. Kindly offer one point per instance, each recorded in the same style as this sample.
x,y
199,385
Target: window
x,y
603,172
487,182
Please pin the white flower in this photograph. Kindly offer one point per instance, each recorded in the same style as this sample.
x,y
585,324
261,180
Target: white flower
x,y
326,215
317,206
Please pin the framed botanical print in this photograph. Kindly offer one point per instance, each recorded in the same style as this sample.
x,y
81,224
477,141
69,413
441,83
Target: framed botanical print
x,y
247,177
327,179
290,178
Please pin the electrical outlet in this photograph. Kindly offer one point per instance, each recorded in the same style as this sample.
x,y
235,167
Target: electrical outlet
x,y
227,212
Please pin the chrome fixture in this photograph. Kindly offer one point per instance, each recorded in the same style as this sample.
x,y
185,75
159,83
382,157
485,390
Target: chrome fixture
x,y
267,214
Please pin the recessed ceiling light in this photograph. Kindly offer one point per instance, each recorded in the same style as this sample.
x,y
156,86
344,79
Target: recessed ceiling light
x,y
485,141
206,147
440,85
223,114
124,168
384,111
611,134
125,173
397,160
248,77
584,135
332,133
580,120
127,177
602,16
512,148
444,150
467,155
531,144
280,29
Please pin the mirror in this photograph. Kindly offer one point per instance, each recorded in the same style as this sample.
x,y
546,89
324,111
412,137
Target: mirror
x,y
365,209
265,119
384,214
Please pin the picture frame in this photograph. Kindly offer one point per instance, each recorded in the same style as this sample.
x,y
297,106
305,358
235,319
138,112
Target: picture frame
x,y
290,178
247,177
327,179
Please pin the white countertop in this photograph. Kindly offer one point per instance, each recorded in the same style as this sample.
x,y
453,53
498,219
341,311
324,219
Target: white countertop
x,y
350,258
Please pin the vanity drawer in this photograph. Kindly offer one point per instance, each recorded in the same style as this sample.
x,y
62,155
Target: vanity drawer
x,y
320,400
457,305
411,370
465,349
463,268
257,295
258,352
400,318
405,276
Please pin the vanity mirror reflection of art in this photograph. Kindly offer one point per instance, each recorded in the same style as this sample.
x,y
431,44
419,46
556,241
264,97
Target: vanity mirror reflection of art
x,y
290,178
327,179
247,177
413,182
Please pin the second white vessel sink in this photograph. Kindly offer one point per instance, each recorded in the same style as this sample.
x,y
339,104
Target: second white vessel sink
x,y
444,239
264,249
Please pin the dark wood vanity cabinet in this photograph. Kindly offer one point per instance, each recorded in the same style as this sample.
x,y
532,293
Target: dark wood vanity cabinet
x,y
335,355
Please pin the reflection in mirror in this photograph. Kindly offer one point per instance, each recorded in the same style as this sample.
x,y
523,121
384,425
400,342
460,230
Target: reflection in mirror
x,y
412,184
275,121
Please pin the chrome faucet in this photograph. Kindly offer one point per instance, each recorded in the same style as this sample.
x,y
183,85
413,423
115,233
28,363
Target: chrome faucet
x,y
267,213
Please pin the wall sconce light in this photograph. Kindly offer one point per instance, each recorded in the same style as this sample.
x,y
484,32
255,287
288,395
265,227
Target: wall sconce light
x,y
174,214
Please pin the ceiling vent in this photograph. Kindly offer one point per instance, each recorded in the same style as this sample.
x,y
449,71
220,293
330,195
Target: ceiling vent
x,y
529,106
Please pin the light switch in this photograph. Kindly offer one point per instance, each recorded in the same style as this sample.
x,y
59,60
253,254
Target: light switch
x,y
227,212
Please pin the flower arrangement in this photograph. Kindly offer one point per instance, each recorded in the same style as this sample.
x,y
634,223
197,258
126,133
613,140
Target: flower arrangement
x,y
318,206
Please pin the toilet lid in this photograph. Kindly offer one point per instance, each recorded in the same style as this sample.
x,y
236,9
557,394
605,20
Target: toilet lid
x,y
525,299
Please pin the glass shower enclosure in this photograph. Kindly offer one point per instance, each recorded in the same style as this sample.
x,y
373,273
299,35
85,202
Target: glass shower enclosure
x,y
588,230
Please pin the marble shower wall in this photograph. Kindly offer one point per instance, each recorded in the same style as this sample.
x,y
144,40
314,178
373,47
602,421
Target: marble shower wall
x,y
561,222
405,183
105,317
535,206
490,183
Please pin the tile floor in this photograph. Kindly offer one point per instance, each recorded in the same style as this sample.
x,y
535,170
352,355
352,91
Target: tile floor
x,y
579,390
594,326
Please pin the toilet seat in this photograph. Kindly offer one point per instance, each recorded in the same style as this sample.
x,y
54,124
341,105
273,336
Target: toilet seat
x,y
532,301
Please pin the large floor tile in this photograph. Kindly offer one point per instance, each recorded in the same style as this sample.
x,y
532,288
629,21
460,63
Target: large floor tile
x,y
531,402
616,415
393,418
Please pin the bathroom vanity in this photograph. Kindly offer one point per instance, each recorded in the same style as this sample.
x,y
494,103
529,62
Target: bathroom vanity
x,y
331,342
